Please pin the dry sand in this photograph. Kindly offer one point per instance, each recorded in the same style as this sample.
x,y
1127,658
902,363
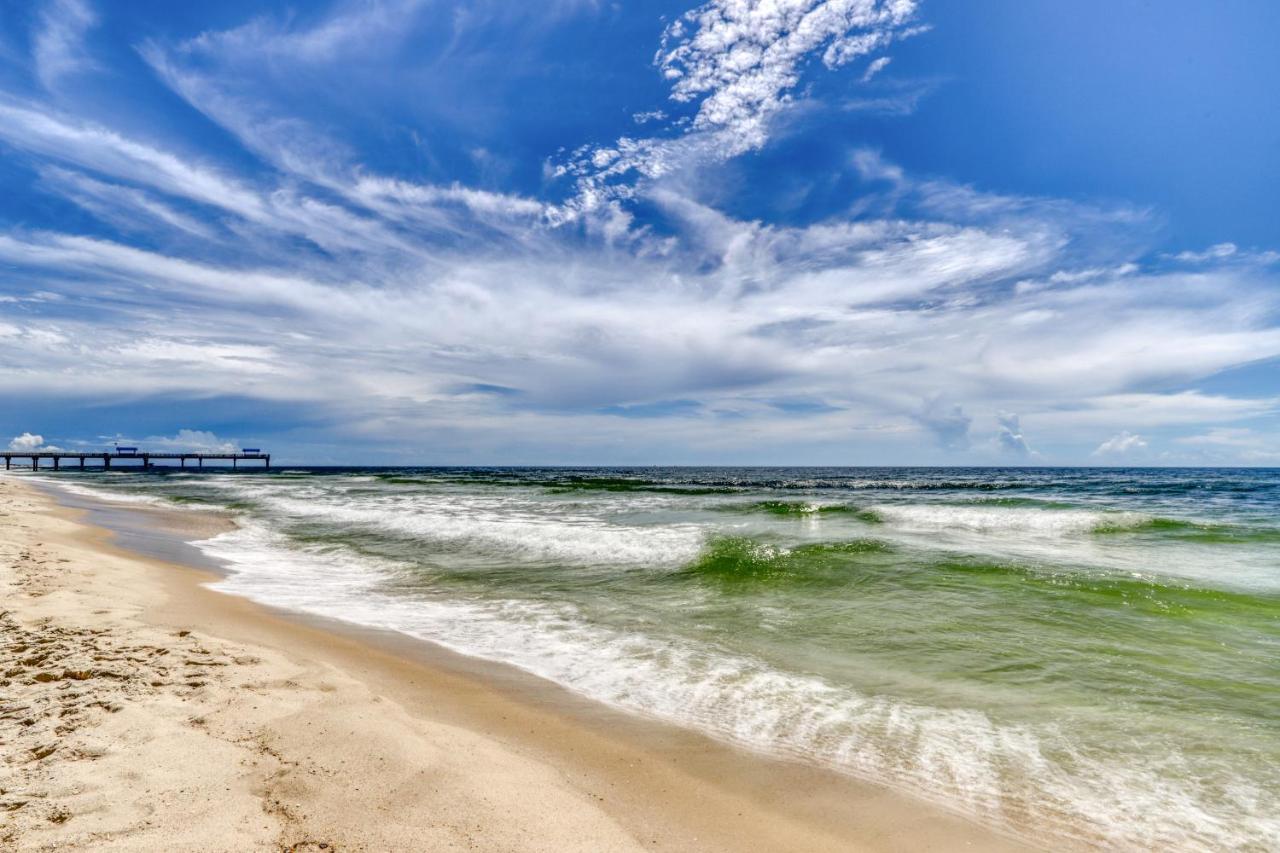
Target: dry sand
x,y
142,711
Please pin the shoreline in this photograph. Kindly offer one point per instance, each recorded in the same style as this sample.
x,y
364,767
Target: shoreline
x,y
511,761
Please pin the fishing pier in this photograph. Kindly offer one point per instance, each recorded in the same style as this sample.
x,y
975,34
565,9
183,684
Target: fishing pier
x,y
131,458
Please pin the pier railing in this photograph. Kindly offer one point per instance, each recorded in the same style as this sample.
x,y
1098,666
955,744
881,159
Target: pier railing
x,y
145,458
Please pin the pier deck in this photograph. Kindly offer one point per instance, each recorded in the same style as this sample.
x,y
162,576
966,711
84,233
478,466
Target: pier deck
x,y
144,458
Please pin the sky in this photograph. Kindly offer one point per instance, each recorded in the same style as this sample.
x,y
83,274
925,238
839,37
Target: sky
x,y
577,232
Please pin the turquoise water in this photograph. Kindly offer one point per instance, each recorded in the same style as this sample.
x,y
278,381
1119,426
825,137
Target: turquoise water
x,y
1094,653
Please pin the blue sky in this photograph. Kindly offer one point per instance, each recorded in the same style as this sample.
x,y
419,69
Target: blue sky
x,y
792,232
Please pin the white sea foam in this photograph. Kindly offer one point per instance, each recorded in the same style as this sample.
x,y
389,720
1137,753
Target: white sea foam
x,y
103,493
1003,520
1037,537
494,526
959,757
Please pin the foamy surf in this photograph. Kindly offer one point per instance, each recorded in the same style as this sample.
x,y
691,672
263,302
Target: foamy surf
x,y
956,757
102,493
526,535
1006,520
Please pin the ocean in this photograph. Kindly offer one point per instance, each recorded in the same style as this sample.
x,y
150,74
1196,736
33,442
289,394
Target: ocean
x,y
1092,653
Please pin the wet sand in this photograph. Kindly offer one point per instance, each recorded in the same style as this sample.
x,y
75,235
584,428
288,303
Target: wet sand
x,y
140,710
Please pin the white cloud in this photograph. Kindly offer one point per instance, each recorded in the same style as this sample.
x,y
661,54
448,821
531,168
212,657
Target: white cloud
x,y
30,443
91,146
876,66
190,440
58,44
871,317
1086,412
872,166
1092,274
282,209
738,62
1234,443
948,422
740,58
1224,437
1224,252
26,441
899,101
1213,253
120,204
649,115
353,28
1009,435
1122,443
376,212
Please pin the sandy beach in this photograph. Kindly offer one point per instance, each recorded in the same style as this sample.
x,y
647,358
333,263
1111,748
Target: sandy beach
x,y
142,711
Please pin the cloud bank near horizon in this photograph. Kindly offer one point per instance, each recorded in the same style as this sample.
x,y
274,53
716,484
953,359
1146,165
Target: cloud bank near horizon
x,y
620,308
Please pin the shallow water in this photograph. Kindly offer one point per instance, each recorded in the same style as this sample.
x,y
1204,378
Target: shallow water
x,y
1091,651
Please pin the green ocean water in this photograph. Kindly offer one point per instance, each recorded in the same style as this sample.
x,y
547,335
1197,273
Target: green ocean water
x,y
1091,653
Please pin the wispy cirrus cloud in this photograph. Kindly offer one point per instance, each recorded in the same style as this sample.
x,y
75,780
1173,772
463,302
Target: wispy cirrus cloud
x,y
1227,252
58,42
46,133
1232,443
117,203
875,67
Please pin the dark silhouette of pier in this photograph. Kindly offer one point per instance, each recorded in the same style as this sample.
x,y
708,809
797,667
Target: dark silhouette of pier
x,y
142,459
